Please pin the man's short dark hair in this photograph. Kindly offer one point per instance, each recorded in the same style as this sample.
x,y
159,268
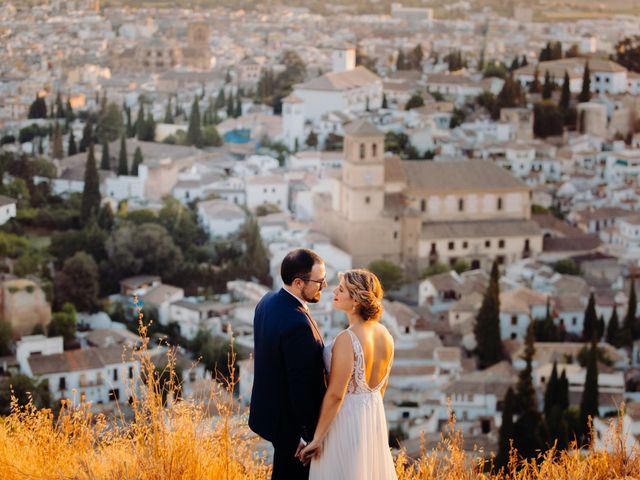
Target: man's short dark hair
x,y
298,264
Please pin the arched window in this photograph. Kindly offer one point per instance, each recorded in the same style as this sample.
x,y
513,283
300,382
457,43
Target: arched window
x,y
362,151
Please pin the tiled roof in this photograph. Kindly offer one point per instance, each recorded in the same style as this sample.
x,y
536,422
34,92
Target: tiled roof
x,y
479,229
460,175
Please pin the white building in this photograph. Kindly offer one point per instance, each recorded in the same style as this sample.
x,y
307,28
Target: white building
x,y
267,189
99,375
221,218
606,75
293,122
124,187
7,209
192,316
351,90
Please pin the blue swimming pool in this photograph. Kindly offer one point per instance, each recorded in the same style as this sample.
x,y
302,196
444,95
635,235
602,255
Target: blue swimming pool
x,y
242,135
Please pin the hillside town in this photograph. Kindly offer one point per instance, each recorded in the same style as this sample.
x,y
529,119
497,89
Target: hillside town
x,y
483,164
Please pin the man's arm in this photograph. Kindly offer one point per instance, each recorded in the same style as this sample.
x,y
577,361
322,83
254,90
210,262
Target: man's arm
x,y
300,355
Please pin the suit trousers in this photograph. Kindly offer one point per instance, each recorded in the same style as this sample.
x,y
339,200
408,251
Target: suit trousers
x,y
285,465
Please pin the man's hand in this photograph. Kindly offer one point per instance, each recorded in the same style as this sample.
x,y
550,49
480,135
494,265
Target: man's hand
x,y
311,451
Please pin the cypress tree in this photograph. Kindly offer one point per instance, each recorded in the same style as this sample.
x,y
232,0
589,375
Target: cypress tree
x,y
137,160
585,94
590,326
220,100
384,101
528,438
535,86
57,150
487,326
547,88
551,393
168,116
105,161
91,192
87,135
230,105
38,109
524,62
59,106
565,97
400,60
149,128
600,326
68,113
613,329
507,429
139,125
630,328
238,108
131,130
123,167
73,148
194,132
563,391
589,402
515,64
106,219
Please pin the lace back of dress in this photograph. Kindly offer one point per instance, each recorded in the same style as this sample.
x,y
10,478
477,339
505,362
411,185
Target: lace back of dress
x,y
358,382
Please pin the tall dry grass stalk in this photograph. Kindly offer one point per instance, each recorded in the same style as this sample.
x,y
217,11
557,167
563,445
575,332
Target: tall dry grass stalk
x,y
178,439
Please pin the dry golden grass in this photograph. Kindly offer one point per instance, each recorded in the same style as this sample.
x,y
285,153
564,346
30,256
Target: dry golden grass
x,y
178,440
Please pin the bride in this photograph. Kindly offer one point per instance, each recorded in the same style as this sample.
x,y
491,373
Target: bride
x,y
351,440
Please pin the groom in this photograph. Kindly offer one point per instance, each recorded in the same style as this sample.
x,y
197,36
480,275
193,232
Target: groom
x,y
289,375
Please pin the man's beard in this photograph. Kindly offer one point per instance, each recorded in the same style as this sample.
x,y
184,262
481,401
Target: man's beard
x,y
314,299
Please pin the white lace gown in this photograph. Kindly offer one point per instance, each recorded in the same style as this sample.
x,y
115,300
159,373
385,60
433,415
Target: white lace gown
x,y
357,444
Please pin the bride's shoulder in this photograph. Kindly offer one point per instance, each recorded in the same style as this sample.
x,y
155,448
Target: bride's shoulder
x,y
384,332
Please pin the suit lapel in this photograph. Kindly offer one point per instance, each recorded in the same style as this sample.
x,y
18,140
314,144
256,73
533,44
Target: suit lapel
x,y
314,325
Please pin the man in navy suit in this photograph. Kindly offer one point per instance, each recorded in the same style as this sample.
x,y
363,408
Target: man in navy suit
x,y
289,375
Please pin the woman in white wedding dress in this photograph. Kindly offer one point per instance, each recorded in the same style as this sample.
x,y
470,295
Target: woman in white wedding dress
x,y
351,440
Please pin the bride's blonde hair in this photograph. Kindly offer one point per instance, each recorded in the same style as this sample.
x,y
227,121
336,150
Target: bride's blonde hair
x,y
365,288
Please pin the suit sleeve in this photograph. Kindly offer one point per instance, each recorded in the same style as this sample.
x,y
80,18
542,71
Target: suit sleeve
x,y
299,351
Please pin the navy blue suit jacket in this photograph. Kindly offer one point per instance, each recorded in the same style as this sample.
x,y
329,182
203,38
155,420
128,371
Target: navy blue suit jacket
x,y
289,376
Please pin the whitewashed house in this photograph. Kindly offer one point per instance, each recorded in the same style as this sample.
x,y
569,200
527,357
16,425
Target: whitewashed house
x,y
267,189
7,209
192,315
97,375
221,218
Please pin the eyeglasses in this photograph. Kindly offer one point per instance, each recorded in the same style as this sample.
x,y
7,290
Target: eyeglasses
x,y
321,282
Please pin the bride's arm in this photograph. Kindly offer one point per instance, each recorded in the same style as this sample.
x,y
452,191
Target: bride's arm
x,y
341,370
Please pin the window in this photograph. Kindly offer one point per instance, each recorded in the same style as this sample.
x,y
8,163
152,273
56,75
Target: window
x,y
423,205
367,200
115,374
452,245
362,151
574,321
62,383
433,247
514,320
487,243
501,259
395,234
461,204
130,372
500,243
374,150
499,203
465,244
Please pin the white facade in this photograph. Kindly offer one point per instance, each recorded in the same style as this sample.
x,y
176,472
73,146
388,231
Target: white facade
x,y
7,209
220,218
267,189
193,316
125,187
343,59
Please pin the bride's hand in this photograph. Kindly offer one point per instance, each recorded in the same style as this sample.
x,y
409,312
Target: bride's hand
x,y
312,450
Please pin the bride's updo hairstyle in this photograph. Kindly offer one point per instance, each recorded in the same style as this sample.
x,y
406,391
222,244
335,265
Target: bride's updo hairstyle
x,y
364,287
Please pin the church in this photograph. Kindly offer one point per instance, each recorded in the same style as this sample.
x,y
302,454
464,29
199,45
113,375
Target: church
x,y
418,212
